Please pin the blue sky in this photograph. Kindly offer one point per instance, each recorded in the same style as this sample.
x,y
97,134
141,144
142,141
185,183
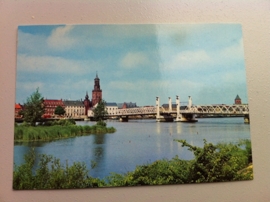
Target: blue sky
x,y
135,63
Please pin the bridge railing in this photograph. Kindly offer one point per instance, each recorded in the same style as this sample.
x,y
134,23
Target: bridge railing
x,y
217,109
134,111
194,109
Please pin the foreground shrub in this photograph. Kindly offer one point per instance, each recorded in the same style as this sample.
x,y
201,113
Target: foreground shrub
x,y
51,174
218,163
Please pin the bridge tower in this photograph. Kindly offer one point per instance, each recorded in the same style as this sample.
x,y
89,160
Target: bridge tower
x,y
163,116
157,106
189,117
178,115
170,104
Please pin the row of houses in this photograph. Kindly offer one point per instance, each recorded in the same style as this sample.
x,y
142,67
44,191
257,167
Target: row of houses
x,y
73,108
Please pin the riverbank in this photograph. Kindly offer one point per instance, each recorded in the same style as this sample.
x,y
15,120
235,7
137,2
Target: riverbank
x,y
212,163
56,130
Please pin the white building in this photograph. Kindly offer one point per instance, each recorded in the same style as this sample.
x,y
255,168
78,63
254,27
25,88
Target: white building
x,y
111,108
74,108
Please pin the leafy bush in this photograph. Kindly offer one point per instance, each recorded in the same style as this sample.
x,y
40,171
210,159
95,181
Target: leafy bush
x,y
160,172
217,163
101,123
51,174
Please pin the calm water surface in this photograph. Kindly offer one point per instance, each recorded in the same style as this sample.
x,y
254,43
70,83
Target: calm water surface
x,y
137,142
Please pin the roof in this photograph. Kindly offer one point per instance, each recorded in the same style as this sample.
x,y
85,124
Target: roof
x,y
237,98
50,100
128,104
18,106
111,104
76,103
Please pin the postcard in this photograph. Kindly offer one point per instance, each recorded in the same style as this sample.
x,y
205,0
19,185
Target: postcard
x,y
113,105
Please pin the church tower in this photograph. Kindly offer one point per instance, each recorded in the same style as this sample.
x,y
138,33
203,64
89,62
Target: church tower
x,y
97,92
87,103
237,100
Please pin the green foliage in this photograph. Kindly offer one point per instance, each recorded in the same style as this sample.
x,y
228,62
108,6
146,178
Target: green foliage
x,y
60,122
100,111
33,108
54,130
247,145
217,163
101,123
22,175
59,110
160,172
51,174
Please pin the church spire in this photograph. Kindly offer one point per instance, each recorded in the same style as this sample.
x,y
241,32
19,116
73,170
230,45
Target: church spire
x,y
86,96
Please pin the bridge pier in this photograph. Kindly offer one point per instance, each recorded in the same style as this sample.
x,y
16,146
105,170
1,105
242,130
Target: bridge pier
x,y
184,117
165,118
188,118
246,119
123,118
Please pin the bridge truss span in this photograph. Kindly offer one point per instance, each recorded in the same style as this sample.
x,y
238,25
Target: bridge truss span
x,y
217,109
136,111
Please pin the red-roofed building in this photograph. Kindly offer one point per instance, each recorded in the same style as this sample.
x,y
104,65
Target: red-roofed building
x,y
50,106
18,108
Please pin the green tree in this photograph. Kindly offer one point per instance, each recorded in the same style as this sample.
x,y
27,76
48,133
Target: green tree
x,y
100,111
33,108
59,110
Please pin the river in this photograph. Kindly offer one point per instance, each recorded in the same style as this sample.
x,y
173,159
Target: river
x,y
137,142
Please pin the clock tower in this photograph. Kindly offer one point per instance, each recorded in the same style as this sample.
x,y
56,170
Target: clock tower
x,y
97,92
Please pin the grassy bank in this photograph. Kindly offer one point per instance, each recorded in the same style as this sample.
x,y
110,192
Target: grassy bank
x,y
57,130
212,163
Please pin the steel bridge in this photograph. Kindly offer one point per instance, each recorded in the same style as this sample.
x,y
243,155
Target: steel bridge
x,y
182,113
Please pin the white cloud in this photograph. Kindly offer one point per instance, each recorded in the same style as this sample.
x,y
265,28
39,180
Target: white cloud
x,y
29,86
187,60
134,59
50,64
61,39
234,52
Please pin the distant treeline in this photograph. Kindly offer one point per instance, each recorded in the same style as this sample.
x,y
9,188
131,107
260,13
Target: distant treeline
x,y
212,163
52,130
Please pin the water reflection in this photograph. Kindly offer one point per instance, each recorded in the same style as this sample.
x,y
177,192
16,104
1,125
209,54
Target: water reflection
x,y
178,128
99,139
158,128
99,150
